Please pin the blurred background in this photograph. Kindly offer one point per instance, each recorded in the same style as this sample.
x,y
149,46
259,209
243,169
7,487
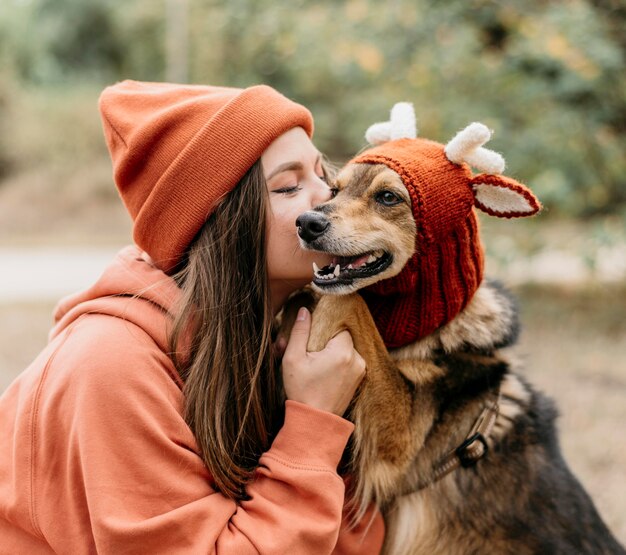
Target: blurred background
x,y
548,77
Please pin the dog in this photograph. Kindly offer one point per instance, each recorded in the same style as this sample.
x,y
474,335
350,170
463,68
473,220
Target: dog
x,y
455,447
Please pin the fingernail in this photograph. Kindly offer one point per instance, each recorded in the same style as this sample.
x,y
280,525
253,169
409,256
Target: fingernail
x,y
302,314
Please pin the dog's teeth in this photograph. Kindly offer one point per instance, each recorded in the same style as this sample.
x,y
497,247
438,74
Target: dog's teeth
x,y
337,270
378,254
371,258
350,267
315,268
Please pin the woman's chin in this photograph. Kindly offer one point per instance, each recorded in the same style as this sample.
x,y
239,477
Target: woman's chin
x,y
298,274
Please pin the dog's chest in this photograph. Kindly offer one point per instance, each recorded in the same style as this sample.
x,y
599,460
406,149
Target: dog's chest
x,y
412,527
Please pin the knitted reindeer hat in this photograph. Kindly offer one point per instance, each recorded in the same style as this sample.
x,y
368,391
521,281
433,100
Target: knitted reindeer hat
x,y
447,266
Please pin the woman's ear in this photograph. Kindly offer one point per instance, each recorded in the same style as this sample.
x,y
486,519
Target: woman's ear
x,y
503,197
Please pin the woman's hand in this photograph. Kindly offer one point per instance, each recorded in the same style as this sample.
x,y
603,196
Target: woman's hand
x,y
326,380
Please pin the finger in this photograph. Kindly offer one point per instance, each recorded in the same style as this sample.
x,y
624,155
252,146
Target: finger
x,y
299,337
279,347
360,365
343,340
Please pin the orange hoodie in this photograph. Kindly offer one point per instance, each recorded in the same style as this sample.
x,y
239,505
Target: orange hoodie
x,y
96,456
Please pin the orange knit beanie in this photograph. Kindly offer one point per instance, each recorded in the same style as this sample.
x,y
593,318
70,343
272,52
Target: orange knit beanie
x,y
447,266
177,149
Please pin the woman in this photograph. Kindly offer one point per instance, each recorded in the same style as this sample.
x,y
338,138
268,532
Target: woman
x,y
153,422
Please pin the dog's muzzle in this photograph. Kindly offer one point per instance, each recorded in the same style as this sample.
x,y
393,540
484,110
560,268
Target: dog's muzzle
x,y
311,225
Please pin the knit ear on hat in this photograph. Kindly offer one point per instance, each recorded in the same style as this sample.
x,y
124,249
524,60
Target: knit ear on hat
x,y
503,197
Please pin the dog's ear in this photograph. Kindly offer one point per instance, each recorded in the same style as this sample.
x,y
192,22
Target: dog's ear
x,y
503,197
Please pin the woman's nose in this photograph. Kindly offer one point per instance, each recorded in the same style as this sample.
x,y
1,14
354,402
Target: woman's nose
x,y
322,193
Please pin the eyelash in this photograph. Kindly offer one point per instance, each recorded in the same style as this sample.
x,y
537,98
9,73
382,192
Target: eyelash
x,y
296,188
288,190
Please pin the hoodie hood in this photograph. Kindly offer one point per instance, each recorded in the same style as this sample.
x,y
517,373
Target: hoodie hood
x,y
131,288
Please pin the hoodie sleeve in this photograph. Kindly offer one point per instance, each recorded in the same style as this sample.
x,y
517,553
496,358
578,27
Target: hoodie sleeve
x,y
116,469
366,537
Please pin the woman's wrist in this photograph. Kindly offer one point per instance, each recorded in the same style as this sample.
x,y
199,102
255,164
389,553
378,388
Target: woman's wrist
x,y
311,436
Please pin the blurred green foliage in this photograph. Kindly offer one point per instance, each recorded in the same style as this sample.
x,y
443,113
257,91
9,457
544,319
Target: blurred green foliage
x,y
548,77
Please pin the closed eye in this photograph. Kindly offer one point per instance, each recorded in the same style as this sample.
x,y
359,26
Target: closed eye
x,y
288,190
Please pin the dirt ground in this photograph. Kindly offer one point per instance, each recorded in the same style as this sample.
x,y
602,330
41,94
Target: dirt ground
x,y
574,347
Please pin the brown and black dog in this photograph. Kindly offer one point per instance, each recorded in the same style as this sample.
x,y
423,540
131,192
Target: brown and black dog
x,y
457,449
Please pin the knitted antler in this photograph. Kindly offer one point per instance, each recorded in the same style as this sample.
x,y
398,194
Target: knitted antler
x,y
466,146
400,126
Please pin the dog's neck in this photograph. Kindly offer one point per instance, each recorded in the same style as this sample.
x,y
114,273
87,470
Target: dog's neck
x,y
488,322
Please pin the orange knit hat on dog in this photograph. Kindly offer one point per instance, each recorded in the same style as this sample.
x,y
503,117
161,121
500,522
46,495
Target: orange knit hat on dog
x,y
178,149
447,267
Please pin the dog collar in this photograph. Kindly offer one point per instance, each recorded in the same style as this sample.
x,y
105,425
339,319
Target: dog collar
x,y
470,451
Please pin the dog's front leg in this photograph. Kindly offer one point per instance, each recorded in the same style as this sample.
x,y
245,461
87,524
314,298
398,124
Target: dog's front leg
x,y
384,409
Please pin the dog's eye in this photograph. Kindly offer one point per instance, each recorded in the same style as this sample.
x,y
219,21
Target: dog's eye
x,y
387,198
333,192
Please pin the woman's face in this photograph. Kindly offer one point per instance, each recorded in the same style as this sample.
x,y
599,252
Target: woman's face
x,y
295,181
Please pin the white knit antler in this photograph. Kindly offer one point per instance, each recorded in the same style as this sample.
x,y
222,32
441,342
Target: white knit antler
x,y
466,146
400,126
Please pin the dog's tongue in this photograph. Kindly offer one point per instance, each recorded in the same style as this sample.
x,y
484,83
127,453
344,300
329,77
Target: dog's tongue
x,y
361,261
343,261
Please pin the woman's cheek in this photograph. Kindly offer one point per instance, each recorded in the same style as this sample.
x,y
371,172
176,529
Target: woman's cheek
x,y
282,236
287,222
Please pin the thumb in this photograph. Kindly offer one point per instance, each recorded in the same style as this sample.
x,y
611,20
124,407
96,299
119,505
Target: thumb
x,y
299,337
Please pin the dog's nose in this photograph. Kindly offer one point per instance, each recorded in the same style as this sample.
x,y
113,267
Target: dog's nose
x,y
311,225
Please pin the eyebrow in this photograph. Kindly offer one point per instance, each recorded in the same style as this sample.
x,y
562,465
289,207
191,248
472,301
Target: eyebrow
x,y
290,166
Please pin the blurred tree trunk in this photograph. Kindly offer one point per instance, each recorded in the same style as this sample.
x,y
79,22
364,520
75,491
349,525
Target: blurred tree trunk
x,y
614,14
177,41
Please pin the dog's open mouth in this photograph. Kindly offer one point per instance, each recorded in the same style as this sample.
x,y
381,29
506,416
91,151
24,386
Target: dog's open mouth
x,y
343,270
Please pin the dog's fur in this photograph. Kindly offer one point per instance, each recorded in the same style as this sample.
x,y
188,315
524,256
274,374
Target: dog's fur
x,y
419,402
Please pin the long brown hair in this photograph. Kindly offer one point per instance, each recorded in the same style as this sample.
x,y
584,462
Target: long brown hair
x,y
233,399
